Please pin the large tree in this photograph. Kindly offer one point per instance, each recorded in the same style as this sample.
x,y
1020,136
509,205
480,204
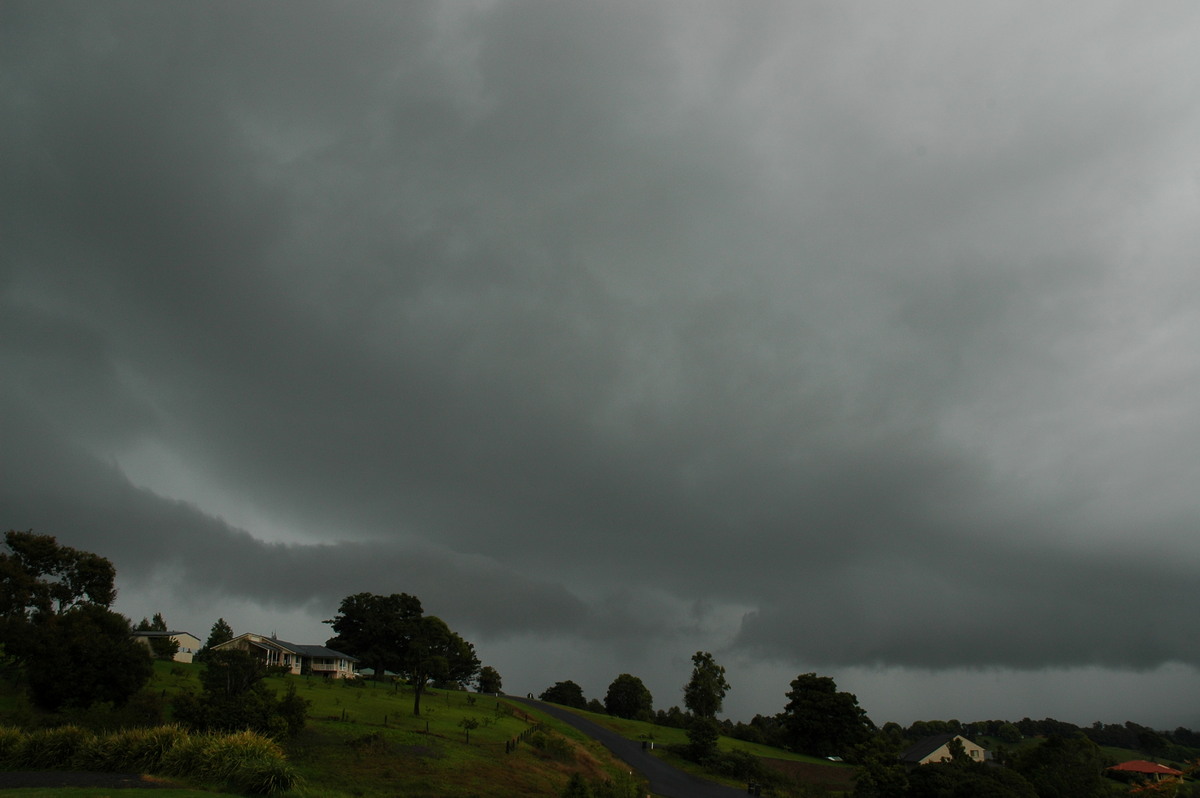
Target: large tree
x,y
84,656
627,697
566,693
705,691
54,615
376,629
821,721
435,653
488,680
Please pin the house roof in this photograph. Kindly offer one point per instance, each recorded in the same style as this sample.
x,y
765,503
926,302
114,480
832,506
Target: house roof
x,y
1142,766
316,651
927,746
154,633
295,648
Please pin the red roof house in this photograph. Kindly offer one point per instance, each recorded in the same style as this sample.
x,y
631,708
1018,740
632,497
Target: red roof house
x,y
1150,770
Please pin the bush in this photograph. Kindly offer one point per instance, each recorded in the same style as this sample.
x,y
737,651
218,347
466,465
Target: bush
x,y
740,765
133,750
52,749
10,747
246,762
553,746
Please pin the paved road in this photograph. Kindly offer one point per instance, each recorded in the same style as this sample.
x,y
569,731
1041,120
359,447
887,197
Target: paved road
x,y
664,779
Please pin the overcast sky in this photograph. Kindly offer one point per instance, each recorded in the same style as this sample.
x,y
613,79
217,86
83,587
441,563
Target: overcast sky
x,y
858,338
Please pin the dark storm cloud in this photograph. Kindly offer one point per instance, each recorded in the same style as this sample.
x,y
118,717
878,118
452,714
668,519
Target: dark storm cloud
x,y
873,328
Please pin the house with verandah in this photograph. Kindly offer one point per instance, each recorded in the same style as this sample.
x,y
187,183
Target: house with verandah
x,y
296,658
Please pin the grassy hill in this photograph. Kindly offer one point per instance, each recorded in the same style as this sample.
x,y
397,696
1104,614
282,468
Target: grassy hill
x,y
362,740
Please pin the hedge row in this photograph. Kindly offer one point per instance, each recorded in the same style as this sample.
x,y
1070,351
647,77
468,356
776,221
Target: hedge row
x,y
245,762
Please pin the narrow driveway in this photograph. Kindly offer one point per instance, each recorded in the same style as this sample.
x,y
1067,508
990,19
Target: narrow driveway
x,y
664,779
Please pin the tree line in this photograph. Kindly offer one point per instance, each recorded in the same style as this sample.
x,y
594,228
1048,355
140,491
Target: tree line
x,y
818,719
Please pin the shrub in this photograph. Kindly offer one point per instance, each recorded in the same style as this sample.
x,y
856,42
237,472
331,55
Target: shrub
x,y
51,749
553,746
245,762
134,750
10,746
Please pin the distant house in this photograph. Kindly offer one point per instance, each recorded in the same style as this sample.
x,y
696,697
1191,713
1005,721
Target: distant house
x,y
299,659
1148,771
189,644
937,749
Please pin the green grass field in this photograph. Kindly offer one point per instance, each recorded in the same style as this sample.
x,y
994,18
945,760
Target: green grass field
x,y
364,741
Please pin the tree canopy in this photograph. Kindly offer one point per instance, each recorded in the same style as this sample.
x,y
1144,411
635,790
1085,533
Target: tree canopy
x,y
566,693
821,721
54,614
628,697
376,629
705,691
392,633
221,632
488,680
435,653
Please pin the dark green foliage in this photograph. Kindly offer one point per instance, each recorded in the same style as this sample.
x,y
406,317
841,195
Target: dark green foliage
x,y
705,691
234,698
703,736
391,633
566,693
231,672
577,787
821,721
436,653
488,680
115,667
881,774
596,705
54,617
964,780
245,762
376,629
221,632
160,647
628,697
39,578
623,786
1065,767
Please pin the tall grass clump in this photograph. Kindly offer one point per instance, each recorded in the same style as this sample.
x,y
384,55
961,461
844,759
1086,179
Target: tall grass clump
x,y
131,750
54,748
245,762
10,746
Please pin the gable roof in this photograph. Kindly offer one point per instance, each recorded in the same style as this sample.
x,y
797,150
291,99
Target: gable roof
x,y
294,648
928,745
1142,766
156,633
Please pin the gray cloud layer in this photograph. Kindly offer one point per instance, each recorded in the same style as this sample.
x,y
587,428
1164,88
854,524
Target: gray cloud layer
x,y
877,327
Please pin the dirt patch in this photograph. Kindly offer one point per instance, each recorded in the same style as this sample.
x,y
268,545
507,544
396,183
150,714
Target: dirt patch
x,y
829,776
